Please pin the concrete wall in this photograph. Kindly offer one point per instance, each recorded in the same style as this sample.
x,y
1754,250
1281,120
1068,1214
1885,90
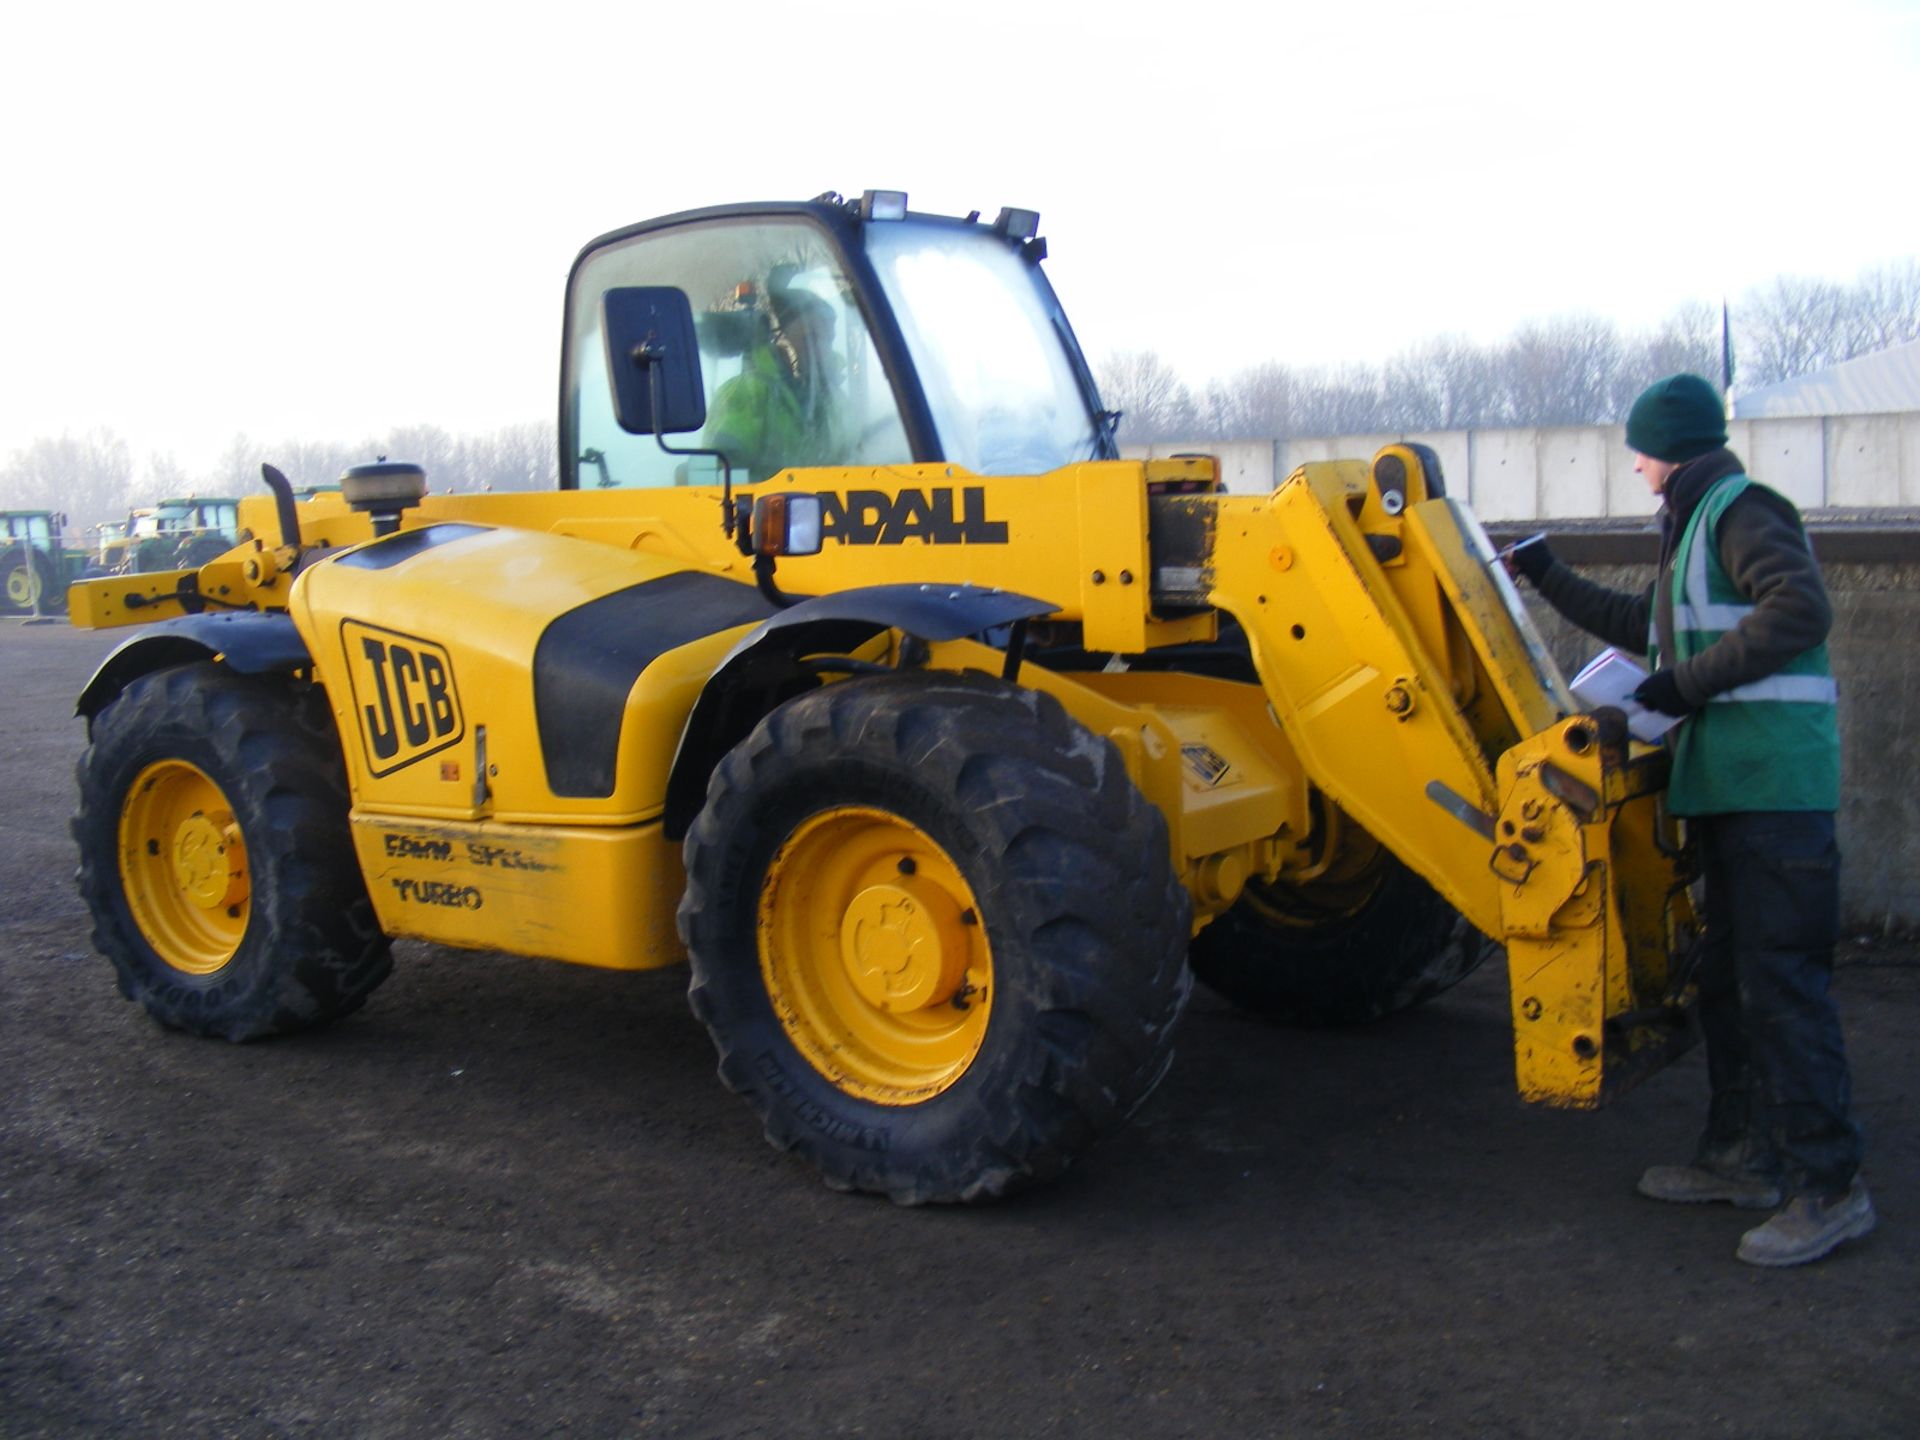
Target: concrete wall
x,y
1877,664
1550,473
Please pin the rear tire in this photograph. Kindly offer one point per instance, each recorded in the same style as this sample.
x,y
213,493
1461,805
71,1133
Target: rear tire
x,y
216,858
26,581
1379,941
935,934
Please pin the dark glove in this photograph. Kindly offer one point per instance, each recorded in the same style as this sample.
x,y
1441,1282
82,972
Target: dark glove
x,y
1661,691
1532,559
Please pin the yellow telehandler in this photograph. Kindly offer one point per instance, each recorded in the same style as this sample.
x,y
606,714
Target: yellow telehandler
x,y
851,664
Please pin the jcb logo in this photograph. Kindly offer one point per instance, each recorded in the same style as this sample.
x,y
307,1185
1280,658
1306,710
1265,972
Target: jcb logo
x,y
873,517
403,693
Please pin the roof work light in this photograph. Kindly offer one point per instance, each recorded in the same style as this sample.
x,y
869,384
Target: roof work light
x,y
1018,224
883,205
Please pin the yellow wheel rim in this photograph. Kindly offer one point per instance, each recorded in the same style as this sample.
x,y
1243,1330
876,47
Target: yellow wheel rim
x,y
23,586
183,866
875,955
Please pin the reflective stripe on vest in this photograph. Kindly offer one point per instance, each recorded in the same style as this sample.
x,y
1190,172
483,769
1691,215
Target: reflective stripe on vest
x,y
1773,744
1699,618
1800,689
1694,608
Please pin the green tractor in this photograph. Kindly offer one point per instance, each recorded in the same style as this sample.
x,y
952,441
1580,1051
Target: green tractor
x,y
36,566
180,534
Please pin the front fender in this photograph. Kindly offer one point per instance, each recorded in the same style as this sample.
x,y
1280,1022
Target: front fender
x,y
763,669
250,642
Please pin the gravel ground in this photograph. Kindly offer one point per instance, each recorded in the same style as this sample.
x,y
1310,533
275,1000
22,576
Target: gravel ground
x,y
510,1198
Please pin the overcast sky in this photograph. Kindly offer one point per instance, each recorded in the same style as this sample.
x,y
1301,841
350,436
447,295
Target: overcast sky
x,y
225,218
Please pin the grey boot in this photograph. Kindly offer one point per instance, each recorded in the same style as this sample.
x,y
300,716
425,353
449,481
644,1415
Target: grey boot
x,y
1700,1182
1807,1227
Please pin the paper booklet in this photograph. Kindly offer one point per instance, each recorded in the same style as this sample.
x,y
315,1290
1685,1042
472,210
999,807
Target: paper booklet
x,y
1610,678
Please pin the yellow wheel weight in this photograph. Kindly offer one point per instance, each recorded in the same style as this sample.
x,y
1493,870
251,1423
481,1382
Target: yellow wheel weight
x,y
874,955
183,866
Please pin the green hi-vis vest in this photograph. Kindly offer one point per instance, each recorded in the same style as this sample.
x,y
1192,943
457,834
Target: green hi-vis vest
x,y
1770,745
762,419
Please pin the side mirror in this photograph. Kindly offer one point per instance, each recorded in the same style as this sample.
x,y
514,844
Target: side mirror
x,y
653,358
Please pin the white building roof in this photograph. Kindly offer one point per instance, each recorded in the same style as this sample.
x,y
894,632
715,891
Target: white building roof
x,y
1888,380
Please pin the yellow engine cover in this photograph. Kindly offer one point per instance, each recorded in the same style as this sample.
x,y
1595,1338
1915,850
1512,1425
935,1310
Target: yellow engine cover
x,y
510,702
511,675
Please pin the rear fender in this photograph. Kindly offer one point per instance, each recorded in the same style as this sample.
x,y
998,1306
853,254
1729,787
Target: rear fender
x,y
764,669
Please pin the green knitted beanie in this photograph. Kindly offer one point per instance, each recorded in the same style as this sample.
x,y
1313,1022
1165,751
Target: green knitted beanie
x,y
1677,419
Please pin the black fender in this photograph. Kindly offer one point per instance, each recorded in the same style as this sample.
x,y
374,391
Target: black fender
x,y
249,641
764,669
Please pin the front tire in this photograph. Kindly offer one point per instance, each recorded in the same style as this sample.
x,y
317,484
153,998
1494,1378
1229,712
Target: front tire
x,y
935,934
216,859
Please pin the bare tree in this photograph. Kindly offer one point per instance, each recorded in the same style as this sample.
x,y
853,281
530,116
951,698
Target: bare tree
x,y
522,457
85,476
1688,340
1560,372
1346,401
1888,298
1152,401
1791,326
1256,403
1279,401
1444,384
237,471
317,462
1568,370
1794,325
163,475
434,450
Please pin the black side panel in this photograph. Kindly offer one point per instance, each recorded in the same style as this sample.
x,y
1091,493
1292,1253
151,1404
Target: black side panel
x,y
385,554
588,659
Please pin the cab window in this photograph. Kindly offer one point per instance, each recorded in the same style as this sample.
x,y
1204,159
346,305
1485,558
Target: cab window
x,y
788,366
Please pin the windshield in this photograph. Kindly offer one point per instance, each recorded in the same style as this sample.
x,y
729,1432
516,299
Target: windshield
x,y
28,527
990,346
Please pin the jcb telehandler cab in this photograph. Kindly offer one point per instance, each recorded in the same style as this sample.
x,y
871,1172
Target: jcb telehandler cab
x,y
945,809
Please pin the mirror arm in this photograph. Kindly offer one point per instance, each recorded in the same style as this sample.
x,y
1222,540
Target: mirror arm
x,y
646,354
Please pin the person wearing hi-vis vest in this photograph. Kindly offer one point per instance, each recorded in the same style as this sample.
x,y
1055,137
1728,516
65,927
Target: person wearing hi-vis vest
x,y
1734,630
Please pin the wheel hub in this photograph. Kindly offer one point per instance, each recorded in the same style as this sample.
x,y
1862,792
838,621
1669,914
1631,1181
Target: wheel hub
x,y
23,586
903,945
207,861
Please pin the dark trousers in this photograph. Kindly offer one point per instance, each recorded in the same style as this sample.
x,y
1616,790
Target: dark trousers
x,y
1781,1093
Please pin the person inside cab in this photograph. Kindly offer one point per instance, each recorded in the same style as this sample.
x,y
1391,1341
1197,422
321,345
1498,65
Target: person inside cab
x,y
785,407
